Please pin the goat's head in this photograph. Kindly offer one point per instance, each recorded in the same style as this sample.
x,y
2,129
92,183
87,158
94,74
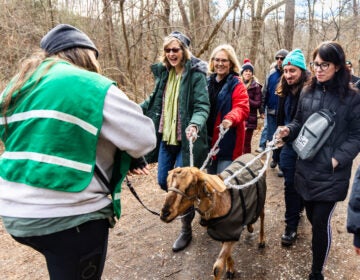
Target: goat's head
x,y
187,185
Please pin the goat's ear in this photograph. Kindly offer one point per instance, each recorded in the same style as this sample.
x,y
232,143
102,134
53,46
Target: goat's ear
x,y
214,182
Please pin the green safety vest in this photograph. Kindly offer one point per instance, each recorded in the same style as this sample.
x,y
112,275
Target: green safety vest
x,y
52,128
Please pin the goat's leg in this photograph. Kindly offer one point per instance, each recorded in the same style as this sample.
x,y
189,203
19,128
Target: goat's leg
x,y
230,272
262,234
224,260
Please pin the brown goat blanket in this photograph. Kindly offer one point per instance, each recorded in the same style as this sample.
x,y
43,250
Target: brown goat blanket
x,y
246,203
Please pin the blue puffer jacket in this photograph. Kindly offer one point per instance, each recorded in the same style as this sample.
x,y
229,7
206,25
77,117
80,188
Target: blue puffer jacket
x,y
269,97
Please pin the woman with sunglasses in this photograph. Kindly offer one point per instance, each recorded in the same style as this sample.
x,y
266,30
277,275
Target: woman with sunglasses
x,y
179,106
229,107
324,180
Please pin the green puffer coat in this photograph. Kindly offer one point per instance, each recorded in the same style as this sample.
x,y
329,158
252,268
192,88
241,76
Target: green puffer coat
x,y
194,108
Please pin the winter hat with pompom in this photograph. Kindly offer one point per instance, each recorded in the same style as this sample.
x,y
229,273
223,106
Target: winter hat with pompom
x,y
247,65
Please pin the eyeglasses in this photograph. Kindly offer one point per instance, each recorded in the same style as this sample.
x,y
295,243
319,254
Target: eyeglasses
x,y
222,60
279,57
174,50
323,65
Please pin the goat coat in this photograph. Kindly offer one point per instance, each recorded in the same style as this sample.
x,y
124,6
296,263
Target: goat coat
x,y
246,203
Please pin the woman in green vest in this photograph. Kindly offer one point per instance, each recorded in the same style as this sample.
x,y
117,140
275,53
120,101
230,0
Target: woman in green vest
x,y
179,106
60,121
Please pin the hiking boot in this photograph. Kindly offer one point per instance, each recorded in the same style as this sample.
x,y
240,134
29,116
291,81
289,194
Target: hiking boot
x,y
288,238
280,174
273,164
185,235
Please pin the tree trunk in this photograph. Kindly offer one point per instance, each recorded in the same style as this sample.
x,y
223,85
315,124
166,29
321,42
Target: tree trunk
x,y
289,24
257,21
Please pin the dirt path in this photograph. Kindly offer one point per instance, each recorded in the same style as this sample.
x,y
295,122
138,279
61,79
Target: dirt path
x,y
140,245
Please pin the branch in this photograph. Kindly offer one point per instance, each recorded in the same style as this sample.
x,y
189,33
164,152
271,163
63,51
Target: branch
x,y
216,28
274,7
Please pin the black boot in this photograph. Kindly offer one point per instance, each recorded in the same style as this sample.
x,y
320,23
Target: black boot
x,y
289,237
185,235
316,276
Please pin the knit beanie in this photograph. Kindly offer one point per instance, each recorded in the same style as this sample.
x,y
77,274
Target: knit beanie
x,y
65,36
181,37
282,53
295,58
247,65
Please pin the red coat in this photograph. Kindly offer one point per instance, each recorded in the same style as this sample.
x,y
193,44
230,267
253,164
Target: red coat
x,y
232,104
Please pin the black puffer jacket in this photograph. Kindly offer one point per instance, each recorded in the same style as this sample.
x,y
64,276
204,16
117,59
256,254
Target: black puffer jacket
x,y
315,179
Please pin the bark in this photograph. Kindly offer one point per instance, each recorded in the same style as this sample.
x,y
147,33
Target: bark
x,y
289,24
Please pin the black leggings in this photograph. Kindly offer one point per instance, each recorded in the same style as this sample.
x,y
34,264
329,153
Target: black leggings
x,y
319,214
73,254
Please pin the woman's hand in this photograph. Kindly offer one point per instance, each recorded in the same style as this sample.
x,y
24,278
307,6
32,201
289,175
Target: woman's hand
x,y
334,163
140,171
226,123
139,166
281,132
191,133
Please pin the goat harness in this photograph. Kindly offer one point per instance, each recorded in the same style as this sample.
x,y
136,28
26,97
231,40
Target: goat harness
x,y
246,203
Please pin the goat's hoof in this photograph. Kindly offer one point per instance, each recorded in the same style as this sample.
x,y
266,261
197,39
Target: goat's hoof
x,y
230,275
261,245
216,272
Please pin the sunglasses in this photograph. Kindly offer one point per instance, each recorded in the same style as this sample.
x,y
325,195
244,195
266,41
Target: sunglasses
x,y
174,50
279,57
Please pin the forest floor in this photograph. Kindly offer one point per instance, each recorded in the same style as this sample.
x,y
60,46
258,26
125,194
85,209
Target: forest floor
x,y
140,244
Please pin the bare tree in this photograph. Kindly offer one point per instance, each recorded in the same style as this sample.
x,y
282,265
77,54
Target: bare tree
x,y
311,22
184,16
289,24
257,20
216,28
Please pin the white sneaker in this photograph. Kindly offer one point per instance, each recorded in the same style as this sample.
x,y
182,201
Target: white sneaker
x,y
259,150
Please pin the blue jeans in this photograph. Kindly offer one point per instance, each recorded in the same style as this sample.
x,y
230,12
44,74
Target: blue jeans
x,y
170,156
218,166
293,201
271,126
263,137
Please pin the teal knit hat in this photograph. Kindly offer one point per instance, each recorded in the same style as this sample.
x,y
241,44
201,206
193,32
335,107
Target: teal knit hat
x,y
296,58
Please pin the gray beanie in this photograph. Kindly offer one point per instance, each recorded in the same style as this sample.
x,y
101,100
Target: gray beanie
x,y
65,36
181,37
282,53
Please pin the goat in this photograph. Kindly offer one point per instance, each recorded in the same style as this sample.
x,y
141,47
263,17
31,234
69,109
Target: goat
x,y
188,186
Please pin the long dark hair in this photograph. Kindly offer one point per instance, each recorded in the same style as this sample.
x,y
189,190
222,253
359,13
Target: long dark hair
x,y
333,52
284,88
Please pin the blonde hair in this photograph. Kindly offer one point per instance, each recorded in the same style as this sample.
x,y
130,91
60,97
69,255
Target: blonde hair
x,y
235,65
81,57
186,52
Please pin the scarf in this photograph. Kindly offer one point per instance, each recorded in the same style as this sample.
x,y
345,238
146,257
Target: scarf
x,y
171,108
